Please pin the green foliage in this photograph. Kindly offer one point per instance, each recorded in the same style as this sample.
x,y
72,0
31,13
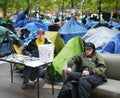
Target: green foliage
x,y
47,5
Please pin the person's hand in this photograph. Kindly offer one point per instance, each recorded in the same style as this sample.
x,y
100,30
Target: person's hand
x,y
68,70
85,73
30,54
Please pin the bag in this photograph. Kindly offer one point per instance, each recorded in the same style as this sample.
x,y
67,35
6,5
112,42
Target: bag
x,y
5,49
69,90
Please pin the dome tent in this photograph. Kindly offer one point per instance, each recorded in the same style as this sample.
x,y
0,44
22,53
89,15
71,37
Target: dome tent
x,y
100,36
113,46
56,39
71,29
73,46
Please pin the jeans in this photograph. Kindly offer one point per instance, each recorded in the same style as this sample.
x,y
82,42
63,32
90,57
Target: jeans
x,y
32,73
85,83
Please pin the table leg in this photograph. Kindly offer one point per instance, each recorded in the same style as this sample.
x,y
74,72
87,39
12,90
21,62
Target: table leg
x,y
38,86
11,72
52,78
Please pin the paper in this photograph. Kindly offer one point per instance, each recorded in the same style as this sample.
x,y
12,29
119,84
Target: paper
x,y
35,63
46,52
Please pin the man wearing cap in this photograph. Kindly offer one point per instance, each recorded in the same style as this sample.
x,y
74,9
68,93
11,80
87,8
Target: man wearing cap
x,y
90,70
32,50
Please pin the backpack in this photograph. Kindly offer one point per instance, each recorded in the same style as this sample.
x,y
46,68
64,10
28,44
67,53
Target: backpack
x,y
68,90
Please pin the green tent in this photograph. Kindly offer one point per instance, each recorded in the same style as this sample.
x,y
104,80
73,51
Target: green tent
x,y
56,39
74,46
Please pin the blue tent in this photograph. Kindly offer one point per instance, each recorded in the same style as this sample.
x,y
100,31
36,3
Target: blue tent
x,y
33,27
113,46
90,23
100,36
71,29
115,24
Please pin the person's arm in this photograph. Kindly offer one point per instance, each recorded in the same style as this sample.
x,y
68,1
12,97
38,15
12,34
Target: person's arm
x,y
73,61
27,49
100,66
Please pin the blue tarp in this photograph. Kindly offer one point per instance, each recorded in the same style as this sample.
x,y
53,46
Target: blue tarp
x,y
115,24
20,21
33,27
90,23
113,45
71,29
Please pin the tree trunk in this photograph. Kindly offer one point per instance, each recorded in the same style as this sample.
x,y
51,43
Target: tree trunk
x,y
72,5
5,10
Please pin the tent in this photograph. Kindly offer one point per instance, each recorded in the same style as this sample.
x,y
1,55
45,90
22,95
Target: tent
x,y
100,36
115,24
90,23
56,39
113,46
71,29
33,27
12,36
73,46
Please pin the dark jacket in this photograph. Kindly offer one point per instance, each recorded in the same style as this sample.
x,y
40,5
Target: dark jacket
x,y
32,48
94,64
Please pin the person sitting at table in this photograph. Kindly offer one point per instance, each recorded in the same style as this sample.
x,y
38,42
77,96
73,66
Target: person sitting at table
x,y
32,50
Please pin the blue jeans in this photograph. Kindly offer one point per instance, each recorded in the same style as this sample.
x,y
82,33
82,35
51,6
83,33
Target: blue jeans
x,y
32,73
85,83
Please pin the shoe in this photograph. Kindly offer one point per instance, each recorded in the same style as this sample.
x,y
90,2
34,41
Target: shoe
x,y
24,86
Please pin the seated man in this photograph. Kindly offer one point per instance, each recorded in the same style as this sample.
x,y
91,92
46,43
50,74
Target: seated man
x,y
91,70
32,50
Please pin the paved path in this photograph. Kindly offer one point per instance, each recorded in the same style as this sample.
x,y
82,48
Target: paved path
x,y
14,90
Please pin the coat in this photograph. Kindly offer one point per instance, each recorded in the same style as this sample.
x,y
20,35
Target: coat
x,y
94,64
32,48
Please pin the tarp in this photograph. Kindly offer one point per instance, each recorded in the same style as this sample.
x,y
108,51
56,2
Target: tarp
x,y
90,23
12,36
100,36
71,29
56,39
73,46
2,21
115,24
33,27
20,21
113,46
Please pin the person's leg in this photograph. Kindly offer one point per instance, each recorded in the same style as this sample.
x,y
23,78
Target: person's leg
x,y
37,72
73,76
34,73
86,83
26,74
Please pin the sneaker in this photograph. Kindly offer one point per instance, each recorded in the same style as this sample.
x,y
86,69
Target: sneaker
x,y
24,86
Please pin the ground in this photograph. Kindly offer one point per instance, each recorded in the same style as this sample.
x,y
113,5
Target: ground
x,y
14,90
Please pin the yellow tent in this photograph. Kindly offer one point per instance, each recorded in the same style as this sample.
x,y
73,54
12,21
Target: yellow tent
x,y
56,39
